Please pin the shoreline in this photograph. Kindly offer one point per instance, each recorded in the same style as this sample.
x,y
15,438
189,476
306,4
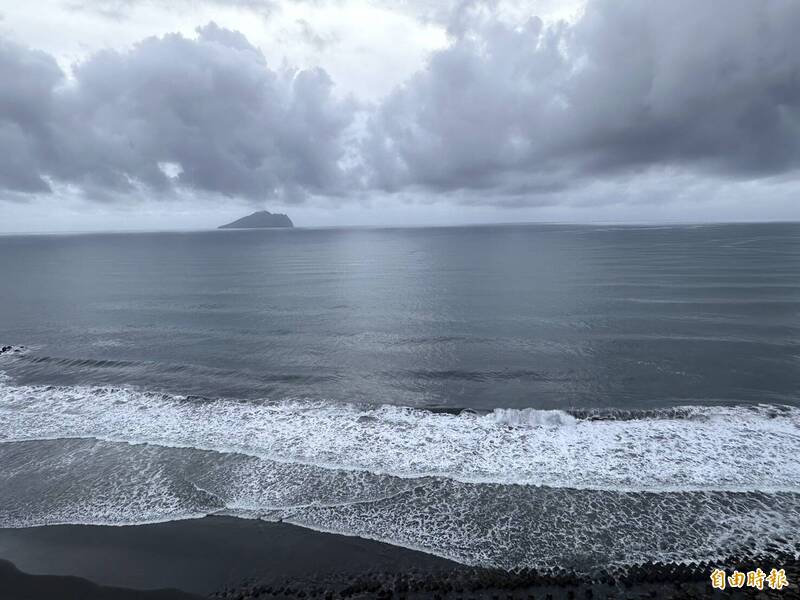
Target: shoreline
x,y
228,557
200,556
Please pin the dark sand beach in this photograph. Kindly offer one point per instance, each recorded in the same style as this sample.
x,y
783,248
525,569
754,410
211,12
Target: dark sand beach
x,y
200,556
225,557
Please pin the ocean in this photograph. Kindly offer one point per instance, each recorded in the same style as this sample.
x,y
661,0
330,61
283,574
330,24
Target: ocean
x,y
542,396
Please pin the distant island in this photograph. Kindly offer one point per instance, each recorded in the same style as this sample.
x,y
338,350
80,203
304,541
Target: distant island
x,y
259,220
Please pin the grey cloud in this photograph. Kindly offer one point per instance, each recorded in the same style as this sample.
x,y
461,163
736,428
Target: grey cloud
x,y
506,114
119,9
29,79
210,105
711,87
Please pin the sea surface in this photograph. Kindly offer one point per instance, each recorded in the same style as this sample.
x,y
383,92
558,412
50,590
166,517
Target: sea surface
x,y
515,396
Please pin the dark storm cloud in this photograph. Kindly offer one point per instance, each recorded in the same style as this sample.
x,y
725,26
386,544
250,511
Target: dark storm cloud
x,y
712,87
507,114
28,80
210,105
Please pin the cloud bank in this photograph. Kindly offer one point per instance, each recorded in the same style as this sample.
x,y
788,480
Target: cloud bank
x,y
509,112
205,114
711,87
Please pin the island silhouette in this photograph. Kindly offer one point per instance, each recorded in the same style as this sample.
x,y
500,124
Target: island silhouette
x,y
261,219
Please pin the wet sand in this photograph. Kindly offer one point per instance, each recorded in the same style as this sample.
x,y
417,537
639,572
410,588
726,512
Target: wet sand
x,y
16,585
199,555
223,557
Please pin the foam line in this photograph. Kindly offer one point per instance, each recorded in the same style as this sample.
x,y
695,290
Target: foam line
x,y
705,448
509,526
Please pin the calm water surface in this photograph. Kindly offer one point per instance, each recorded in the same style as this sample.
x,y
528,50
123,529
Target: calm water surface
x,y
483,317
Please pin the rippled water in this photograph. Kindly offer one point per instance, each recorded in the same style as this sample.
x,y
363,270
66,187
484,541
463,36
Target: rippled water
x,y
510,396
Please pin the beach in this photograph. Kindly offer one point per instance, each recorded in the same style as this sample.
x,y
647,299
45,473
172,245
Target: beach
x,y
226,557
199,556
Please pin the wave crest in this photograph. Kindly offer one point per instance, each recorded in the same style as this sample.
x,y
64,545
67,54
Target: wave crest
x,y
532,417
715,449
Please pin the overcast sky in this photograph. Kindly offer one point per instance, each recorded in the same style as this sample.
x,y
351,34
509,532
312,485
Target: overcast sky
x,y
176,114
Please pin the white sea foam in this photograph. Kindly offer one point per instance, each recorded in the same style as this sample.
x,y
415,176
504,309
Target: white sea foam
x,y
90,482
94,482
525,526
532,417
702,448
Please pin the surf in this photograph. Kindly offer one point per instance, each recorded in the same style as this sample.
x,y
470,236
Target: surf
x,y
690,448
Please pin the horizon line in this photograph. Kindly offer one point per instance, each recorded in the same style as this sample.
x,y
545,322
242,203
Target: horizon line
x,y
412,226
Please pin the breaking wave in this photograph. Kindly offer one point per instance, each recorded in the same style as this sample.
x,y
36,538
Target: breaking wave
x,y
740,448
580,489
